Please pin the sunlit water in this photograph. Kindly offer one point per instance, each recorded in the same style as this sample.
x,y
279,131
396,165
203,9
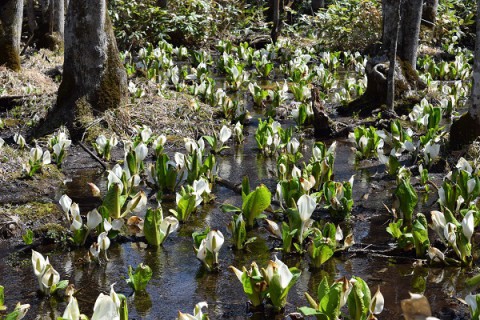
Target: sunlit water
x,y
179,281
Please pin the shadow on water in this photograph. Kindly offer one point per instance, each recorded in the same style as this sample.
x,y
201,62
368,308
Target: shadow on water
x,y
179,281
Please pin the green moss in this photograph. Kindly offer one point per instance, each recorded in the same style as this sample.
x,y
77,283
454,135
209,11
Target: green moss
x,y
53,232
33,211
113,86
9,56
52,172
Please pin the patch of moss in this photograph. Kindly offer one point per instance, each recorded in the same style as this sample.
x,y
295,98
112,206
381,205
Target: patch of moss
x,y
34,211
53,172
52,232
113,86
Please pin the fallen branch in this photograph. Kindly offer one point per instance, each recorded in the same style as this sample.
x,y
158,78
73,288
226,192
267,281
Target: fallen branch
x,y
93,155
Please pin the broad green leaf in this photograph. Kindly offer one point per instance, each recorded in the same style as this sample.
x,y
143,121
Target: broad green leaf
x,y
153,218
113,201
255,203
2,299
139,279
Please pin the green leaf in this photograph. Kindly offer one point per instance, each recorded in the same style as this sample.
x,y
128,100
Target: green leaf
x,y
61,285
245,187
359,300
211,140
394,228
113,201
2,299
255,203
408,200
123,307
229,208
139,279
330,303
153,218
306,311
12,316
28,237
186,206
325,252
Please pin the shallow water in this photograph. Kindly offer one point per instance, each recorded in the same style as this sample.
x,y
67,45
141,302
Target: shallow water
x,y
179,281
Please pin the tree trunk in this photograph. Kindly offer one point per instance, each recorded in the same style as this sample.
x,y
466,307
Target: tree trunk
x,y
317,4
11,15
467,128
406,77
32,24
410,31
277,22
393,58
411,16
429,13
51,26
94,78
58,21
162,4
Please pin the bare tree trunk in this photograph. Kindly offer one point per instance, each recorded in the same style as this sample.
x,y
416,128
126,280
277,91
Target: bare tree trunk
x,y
377,68
162,4
393,58
32,24
58,17
429,13
276,20
11,15
411,13
475,98
317,4
51,25
409,32
94,78
467,128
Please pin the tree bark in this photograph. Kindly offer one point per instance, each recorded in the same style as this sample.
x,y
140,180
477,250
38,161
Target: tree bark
x,y
411,16
467,128
32,24
277,22
406,77
317,4
58,21
94,78
11,15
393,58
162,4
429,13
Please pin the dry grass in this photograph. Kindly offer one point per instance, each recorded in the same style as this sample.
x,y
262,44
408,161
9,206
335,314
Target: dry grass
x,y
169,114
33,78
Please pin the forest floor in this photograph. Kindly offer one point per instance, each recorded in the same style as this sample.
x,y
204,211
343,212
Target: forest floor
x,y
28,203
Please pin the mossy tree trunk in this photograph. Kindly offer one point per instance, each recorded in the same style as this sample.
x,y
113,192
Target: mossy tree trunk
x,y
377,68
11,15
467,128
94,79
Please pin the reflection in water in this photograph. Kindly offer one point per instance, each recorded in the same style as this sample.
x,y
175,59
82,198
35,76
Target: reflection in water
x,y
179,281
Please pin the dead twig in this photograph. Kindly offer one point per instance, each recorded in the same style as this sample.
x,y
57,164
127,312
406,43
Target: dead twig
x,y
93,155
